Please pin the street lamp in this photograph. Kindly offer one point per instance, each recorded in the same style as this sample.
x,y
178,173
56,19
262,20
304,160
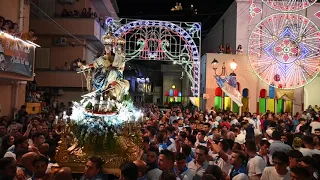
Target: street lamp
x,y
233,67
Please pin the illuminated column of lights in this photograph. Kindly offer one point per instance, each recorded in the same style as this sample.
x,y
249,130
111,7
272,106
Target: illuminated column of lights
x,y
195,79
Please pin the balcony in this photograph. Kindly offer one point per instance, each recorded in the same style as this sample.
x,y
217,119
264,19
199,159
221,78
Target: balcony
x,y
85,28
106,8
47,78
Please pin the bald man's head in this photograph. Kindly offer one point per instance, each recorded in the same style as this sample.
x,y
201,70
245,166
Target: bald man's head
x,y
27,159
142,167
64,173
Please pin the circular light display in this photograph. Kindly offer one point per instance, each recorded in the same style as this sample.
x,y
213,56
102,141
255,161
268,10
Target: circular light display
x,y
289,5
284,50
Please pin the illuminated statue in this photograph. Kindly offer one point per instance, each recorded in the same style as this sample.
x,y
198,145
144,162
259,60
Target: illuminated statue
x,y
107,80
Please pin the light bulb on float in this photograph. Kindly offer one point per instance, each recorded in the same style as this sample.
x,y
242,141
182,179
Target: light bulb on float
x,y
233,65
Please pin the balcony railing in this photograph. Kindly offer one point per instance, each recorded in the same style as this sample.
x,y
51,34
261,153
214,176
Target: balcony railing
x,y
48,78
87,28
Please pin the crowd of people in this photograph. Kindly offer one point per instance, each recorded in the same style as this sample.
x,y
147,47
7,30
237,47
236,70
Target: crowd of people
x,y
85,13
178,143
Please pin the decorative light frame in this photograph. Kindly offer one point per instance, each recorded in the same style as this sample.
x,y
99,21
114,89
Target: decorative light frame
x,y
179,42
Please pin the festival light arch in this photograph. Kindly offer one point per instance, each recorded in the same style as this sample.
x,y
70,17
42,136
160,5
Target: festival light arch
x,y
161,40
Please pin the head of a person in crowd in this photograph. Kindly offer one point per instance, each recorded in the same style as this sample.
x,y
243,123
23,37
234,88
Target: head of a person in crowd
x,y
193,124
188,130
129,171
302,121
201,154
93,167
298,173
40,165
27,160
186,150
150,132
45,129
297,143
142,167
166,160
21,143
201,135
64,173
190,140
224,146
276,135
175,124
152,155
38,138
170,131
238,159
181,162
19,153
206,127
309,163
7,141
3,130
8,168
294,158
250,148
316,132
44,148
281,162
161,127
308,142
167,175
182,136
216,170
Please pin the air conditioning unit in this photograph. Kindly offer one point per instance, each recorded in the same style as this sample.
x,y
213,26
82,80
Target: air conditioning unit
x,y
60,41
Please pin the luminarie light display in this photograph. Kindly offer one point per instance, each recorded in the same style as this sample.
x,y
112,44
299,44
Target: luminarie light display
x,y
284,50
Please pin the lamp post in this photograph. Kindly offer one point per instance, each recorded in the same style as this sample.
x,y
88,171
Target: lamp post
x,y
233,67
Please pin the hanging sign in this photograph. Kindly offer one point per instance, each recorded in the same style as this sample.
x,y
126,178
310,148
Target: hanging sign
x,y
16,55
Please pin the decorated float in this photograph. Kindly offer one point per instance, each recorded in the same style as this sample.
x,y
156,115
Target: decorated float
x,y
104,122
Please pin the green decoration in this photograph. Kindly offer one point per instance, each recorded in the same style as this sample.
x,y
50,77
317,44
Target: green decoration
x,y
218,102
235,107
280,106
262,105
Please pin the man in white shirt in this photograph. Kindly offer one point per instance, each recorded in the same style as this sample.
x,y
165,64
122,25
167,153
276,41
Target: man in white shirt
x,y
308,143
314,125
256,163
181,167
238,171
234,120
221,158
280,169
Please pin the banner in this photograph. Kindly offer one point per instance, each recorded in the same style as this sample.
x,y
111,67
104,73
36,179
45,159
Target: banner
x,y
286,94
229,86
16,55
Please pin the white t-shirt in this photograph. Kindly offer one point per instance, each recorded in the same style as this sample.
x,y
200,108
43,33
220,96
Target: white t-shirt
x,y
270,173
235,121
256,166
309,152
314,125
224,165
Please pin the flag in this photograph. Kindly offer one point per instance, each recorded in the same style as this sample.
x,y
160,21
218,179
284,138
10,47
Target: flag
x,y
229,86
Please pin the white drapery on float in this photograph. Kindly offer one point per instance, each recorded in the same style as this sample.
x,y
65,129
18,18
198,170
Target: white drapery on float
x,y
229,86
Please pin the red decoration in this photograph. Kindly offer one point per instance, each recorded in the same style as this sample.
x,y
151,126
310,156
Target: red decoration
x,y
167,93
238,86
218,92
175,93
277,77
263,93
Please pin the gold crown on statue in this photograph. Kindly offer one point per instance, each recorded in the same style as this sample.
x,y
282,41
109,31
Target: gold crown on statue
x,y
121,41
108,39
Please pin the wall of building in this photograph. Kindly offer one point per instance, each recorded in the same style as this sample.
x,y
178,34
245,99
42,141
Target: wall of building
x,y
71,95
60,55
311,93
247,79
223,32
12,96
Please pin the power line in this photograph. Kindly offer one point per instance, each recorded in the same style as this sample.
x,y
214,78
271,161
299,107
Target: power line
x,y
67,32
